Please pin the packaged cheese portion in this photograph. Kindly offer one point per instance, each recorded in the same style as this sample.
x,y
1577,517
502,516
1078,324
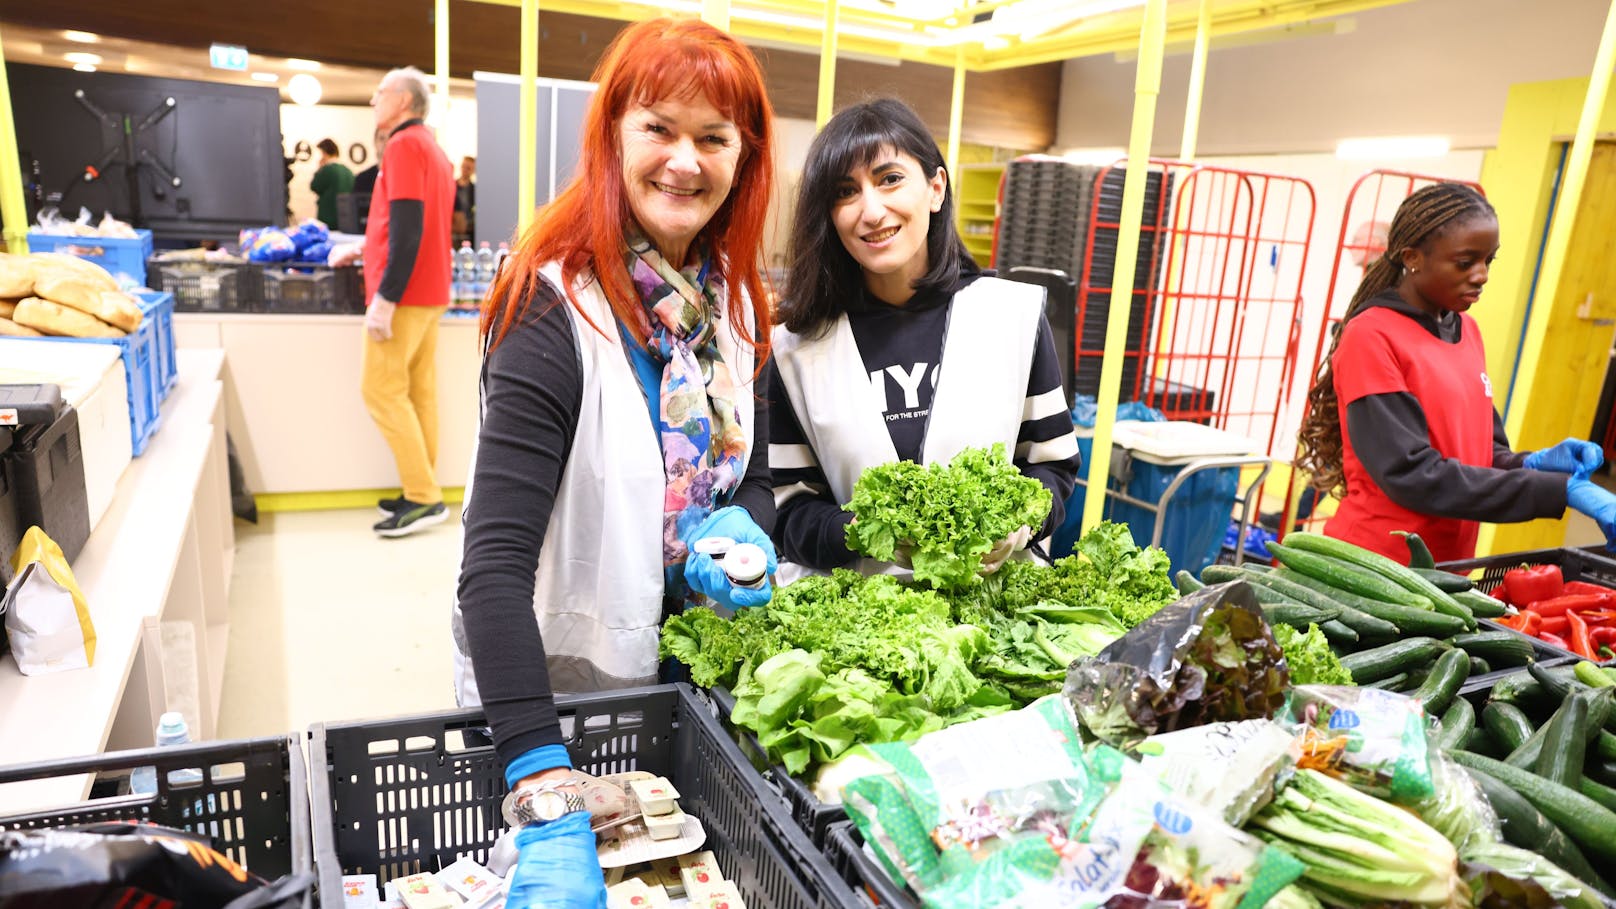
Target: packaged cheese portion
x,y
656,795
55,319
721,896
110,306
664,826
84,269
10,329
422,891
16,275
699,873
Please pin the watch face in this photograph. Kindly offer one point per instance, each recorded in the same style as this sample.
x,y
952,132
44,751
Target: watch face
x,y
547,806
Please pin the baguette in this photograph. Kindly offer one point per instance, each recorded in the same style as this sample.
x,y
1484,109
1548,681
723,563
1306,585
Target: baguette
x,y
16,275
83,268
111,307
56,319
10,329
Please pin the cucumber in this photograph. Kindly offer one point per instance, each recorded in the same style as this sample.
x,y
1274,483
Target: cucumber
x,y
1557,685
1481,605
1293,614
1591,675
1457,723
1398,618
1326,607
1499,648
1339,634
1479,666
1590,825
1605,746
1390,683
1599,792
1362,622
1220,574
1403,656
1346,576
1419,554
1385,568
1449,672
1187,584
1525,757
1526,827
1506,724
1258,567
1445,581
1565,743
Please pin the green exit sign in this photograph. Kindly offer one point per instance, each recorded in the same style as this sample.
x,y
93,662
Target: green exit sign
x,y
228,56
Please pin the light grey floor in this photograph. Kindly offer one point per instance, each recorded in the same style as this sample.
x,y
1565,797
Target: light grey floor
x,y
329,622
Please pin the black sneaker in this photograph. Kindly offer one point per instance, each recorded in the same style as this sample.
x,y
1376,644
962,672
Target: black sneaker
x,y
410,518
388,507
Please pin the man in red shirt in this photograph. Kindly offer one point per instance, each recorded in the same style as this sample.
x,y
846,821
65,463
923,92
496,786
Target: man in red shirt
x,y
407,284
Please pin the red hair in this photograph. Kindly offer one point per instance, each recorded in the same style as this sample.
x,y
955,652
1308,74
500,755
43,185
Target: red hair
x,y
583,228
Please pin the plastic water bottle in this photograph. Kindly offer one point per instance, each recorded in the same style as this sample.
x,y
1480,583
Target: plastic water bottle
x,y
466,272
171,730
485,270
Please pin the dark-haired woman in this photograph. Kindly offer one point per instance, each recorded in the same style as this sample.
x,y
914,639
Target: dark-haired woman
x,y
893,344
1401,419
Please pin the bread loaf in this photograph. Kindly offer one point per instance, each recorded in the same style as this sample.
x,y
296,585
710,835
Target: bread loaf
x,y
10,329
55,319
7,307
83,268
111,307
16,275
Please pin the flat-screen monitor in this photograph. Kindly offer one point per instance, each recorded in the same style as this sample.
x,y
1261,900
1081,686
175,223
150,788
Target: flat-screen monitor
x,y
188,160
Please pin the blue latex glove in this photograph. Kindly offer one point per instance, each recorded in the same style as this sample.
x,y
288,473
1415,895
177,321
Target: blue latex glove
x,y
556,866
1570,456
706,576
1595,502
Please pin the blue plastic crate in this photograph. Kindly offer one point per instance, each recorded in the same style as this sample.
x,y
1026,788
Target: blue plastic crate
x,y
158,307
116,255
142,366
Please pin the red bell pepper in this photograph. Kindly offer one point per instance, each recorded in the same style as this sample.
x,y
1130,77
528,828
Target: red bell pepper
x,y
1585,587
1557,624
1554,639
1604,637
1571,602
1530,584
1581,643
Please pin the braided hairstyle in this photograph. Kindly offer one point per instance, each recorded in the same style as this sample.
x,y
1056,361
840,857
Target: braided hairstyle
x,y
1422,217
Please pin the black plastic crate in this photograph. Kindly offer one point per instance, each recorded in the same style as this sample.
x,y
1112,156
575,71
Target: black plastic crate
x,y
252,800
1593,564
845,848
11,526
810,814
407,795
47,465
1483,684
208,286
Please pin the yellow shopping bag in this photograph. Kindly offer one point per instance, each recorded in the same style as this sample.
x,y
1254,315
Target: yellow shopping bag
x,y
46,616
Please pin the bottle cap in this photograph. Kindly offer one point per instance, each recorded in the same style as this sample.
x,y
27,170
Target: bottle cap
x,y
713,546
172,729
746,564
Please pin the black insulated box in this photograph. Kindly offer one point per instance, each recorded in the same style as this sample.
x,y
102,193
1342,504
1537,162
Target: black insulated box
x,y
47,467
11,526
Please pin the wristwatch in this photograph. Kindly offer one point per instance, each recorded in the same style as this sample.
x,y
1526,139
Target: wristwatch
x,y
540,803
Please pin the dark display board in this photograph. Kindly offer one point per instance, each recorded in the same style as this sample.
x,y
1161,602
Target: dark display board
x,y
133,137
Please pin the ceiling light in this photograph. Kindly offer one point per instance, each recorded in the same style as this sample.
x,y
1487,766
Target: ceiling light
x,y
995,43
299,63
81,57
1392,147
84,67
266,77
304,89
81,37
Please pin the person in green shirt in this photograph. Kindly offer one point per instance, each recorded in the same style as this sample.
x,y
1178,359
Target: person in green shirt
x,y
332,179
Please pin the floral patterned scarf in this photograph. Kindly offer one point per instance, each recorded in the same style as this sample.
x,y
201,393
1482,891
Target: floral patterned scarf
x,y
703,446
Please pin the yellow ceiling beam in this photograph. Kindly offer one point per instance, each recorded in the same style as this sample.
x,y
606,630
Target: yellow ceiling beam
x,y
799,23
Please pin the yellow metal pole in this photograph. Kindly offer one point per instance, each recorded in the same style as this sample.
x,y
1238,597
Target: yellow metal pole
x,y
527,120
1559,241
956,113
440,21
1192,104
715,13
13,205
1147,85
827,64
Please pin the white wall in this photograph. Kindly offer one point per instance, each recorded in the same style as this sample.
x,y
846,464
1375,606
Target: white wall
x,y
348,125
1425,67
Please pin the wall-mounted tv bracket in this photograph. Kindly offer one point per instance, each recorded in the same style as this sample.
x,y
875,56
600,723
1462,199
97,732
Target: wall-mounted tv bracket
x,y
124,153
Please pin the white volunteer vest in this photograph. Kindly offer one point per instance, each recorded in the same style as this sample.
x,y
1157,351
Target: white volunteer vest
x,y
599,589
988,347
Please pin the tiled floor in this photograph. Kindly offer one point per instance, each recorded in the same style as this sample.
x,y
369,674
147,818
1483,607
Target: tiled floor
x,y
329,622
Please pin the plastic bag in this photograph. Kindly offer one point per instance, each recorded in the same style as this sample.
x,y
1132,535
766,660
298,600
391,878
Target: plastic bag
x,y
1228,768
109,864
47,619
1457,808
1086,411
977,812
1373,740
1502,876
307,234
1207,658
112,227
268,244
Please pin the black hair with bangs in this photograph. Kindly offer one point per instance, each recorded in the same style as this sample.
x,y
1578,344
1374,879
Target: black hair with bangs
x,y
824,277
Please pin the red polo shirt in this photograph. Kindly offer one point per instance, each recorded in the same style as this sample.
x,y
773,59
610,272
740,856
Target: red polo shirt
x,y
413,167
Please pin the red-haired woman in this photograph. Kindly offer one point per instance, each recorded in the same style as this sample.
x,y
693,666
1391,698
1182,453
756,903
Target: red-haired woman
x,y
620,418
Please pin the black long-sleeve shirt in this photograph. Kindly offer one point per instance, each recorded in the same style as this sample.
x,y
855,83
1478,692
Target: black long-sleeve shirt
x,y
1392,439
533,390
904,346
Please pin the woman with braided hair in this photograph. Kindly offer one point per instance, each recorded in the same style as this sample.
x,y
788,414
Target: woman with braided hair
x,y
1401,422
